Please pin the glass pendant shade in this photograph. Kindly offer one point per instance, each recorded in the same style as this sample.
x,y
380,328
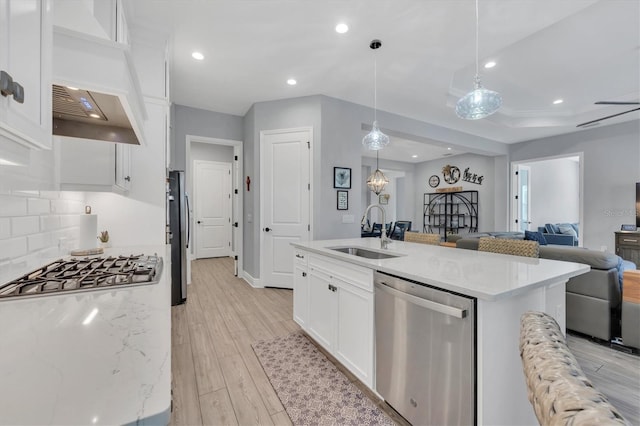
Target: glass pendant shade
x,y
479,103
375,139
377,181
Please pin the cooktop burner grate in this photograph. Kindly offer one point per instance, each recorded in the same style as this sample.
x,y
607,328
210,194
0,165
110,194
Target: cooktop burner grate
x,y
89,273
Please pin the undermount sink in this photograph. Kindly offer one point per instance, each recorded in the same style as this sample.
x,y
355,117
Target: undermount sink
x,y
363,252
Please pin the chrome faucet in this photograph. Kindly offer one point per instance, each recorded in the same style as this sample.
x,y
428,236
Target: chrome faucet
x,y
384,240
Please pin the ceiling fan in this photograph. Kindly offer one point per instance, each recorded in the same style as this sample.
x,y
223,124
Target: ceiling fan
x,y
613,115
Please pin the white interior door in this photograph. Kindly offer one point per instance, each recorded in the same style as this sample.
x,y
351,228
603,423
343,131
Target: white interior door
x,y
522,197
212,193
285,195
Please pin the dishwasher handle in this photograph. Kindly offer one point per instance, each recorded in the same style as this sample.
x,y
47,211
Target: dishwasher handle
x,y
425,303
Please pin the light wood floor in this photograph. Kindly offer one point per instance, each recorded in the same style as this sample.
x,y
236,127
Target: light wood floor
x,y
217,379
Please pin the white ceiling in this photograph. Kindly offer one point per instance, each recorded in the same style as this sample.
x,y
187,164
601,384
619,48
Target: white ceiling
x,y
579,50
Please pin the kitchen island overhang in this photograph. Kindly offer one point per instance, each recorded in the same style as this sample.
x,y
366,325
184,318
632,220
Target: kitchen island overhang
x,y
505,287
93,357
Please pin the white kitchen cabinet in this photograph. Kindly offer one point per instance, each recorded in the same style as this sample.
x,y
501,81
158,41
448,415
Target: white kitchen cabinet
x,y
340,312
300,288
322,308
354,338
25,55
89,165
98,18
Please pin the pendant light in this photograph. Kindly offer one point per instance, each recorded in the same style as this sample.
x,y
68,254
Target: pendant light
x,y
375,139
480,102
377,181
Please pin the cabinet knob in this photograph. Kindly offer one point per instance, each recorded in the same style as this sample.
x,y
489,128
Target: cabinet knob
x,y
18,93
304,274
6,84
299,256
127,178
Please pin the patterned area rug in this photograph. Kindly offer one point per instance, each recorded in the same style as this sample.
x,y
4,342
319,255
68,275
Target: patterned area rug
x,y
311,388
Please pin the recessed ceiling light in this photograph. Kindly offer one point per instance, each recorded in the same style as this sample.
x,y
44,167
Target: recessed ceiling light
x,y
292,82
342,28
449,148
197,55
94,115
72,88
558,101
414,156
490,64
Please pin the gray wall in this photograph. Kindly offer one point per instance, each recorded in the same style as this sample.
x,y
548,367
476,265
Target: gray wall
x,y
199,122
611,168
283,114
555,192
479,164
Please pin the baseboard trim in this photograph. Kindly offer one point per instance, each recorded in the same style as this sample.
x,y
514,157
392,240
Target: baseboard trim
x,y
253,282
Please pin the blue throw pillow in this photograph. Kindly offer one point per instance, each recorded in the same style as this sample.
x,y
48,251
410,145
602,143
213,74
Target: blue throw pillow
x,y
535,236
576,227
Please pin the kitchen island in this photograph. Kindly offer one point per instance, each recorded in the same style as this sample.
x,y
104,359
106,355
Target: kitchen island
x,y
334,304
89,358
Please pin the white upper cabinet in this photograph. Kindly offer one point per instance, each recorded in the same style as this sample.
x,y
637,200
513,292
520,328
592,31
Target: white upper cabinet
x,y
98,18
90,165
25,59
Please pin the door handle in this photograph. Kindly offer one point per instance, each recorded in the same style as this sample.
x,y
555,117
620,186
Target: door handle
x,y
267,229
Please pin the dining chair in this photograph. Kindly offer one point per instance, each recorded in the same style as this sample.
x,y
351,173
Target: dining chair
x,y
400,227
418,237
509,246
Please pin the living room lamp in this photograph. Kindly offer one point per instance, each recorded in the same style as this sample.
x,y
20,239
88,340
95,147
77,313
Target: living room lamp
x,y
377,181
480,102
375,139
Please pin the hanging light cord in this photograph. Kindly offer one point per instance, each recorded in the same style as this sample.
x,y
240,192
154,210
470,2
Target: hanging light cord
x,y
377,166
477,37
375,86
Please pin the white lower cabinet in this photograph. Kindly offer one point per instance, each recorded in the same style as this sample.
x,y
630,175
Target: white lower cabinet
x,y
322,308
300,289
354,340
338,300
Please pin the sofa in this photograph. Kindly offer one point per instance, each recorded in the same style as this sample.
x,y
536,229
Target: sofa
x,y
593,299
565,234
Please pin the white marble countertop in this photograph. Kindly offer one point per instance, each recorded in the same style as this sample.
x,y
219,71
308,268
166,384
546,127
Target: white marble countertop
x,y
58,367
486,276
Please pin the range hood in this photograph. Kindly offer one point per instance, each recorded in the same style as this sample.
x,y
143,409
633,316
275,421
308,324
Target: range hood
x,y
90,115
96,93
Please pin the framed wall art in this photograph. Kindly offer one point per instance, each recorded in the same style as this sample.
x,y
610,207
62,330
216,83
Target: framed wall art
x,y
343,200
342,177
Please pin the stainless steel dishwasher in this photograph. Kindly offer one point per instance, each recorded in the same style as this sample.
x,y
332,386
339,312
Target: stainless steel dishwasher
x,y
425,352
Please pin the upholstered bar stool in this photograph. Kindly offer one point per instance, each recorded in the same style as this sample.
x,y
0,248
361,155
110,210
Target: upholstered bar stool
x,y
558,389
418,237
509,246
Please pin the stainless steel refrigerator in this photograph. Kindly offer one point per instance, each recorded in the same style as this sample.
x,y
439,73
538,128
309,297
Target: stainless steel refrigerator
x,y
178,215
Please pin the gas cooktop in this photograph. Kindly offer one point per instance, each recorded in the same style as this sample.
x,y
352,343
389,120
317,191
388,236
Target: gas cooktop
x,y
84,274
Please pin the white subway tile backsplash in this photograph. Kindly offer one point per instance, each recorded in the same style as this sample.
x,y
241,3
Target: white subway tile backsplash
x,y
12,206
5,227
36,227
38,241
25,225
38,206
49,223
13,248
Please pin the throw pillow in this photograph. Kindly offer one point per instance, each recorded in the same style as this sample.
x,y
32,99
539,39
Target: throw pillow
x,y
576,227
551,228
566,228
535,236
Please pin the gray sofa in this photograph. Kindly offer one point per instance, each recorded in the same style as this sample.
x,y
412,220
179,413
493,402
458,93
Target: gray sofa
x,y
594,298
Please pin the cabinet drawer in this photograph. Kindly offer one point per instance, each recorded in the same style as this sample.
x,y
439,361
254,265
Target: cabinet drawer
x,y
353,274
628,240
300,258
